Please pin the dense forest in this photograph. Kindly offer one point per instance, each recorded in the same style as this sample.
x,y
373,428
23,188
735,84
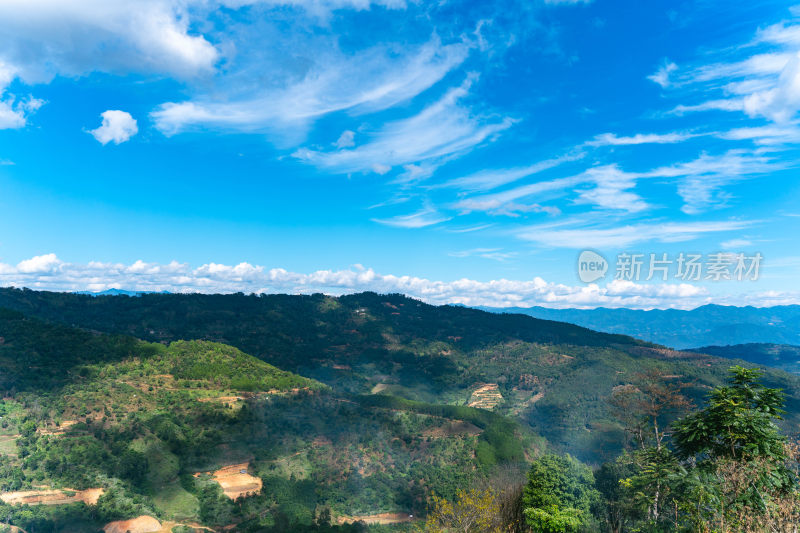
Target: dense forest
x,y
379,412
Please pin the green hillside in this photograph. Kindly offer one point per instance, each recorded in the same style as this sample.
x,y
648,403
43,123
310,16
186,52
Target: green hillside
x,y
150,424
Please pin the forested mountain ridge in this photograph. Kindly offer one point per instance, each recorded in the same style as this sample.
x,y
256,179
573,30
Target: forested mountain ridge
x,y
553,376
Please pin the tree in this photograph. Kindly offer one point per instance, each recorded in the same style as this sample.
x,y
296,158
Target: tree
x,y
646,403
741,456
472,511
619,507
738,422
559,495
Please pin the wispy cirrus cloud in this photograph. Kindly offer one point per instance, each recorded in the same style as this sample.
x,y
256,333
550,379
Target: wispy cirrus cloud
x,y
367,81
606,187
586,236
700,182
441,130
485,180
611,139
427,216
760,78
496,254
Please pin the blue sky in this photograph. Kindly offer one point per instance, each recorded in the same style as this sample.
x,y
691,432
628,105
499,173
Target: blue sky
x,y
455,151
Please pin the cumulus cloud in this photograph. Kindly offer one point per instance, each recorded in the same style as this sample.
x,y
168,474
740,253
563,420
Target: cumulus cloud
x,y
50,273
14,112
41,264
43,38
117,127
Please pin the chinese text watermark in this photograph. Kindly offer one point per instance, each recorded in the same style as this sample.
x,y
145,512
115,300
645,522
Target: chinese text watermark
x,y
718,266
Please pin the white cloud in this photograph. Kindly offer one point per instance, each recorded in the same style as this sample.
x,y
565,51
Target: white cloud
x,y
611,139
495,254
765,135
427,216
47,272
700,182
761,84
612,190
14,113
43,38
367,81
567,2
40,264
624,236
703,179
489,179
737,244
609,189
661,76
498,202
118,126
441,130
346,139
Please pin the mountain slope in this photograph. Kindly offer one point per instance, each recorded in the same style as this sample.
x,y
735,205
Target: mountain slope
x,y
149,426
554,377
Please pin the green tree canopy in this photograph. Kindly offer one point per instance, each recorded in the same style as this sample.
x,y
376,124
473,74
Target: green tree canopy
x,y
559,495
737,422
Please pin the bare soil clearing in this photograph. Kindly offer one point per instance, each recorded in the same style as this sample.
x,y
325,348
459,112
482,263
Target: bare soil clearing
x,y
58,430
235,481
486,397
52,496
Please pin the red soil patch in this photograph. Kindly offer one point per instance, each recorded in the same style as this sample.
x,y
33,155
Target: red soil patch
x,y
52,496
235,481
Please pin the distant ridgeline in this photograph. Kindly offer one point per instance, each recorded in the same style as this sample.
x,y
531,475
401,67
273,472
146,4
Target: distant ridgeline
x,y
363,405
708,325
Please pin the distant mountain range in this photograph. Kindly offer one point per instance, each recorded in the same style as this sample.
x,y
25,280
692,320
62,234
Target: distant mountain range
x,y
708,325
783,356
